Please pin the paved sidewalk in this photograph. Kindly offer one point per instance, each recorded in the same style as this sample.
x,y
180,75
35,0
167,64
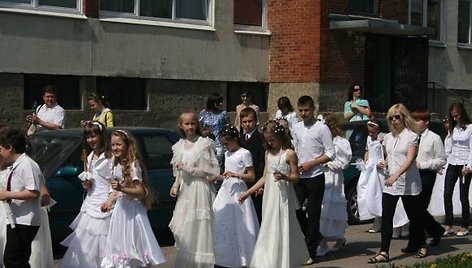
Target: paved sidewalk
x,y
361,246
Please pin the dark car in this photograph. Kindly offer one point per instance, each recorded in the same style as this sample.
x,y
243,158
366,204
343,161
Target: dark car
x,y
356,133
58,153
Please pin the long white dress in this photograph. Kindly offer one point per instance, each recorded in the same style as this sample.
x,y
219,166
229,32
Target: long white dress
x,y
370,187
130,241
192,222
280,242
333,219
86,245
236,225
436,204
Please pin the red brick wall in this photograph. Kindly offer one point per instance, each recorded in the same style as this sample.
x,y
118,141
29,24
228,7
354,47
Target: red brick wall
x,y
303,49
295,40
342,52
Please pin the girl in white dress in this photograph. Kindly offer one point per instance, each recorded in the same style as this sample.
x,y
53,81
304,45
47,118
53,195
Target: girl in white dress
x,y
280,242
236,225
333,219
195,167
131,241
86,244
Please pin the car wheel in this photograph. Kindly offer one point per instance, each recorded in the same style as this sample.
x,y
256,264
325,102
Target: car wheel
x,y
352,209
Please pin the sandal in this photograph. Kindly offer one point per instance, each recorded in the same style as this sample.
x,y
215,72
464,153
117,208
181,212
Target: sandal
x,y
422,252
381,257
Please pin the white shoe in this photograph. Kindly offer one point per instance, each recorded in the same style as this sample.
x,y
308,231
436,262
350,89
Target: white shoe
x,y
323,249
462,232
310,261
340,243
449,231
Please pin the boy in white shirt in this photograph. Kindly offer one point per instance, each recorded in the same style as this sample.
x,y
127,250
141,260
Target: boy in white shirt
x,y
314,147
22,195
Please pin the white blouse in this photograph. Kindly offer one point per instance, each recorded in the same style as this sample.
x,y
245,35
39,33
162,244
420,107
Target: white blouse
x,y
409,183
458,146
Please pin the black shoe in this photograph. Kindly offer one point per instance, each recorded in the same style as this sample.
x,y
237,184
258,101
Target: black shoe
x,y
435,241
409,250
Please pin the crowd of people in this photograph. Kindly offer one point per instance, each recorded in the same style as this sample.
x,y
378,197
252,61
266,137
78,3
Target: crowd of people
x,y
302,189
280,196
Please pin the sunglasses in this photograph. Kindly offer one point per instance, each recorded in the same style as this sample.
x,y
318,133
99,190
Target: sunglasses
x,y
397,117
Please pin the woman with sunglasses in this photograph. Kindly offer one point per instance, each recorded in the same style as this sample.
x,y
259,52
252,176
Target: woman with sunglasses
x,y
459,157
403,181
356,108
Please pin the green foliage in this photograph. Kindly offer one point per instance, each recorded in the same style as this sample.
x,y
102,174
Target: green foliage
x,y
463,260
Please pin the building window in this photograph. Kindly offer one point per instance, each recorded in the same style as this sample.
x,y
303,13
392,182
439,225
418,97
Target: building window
x,y
427,13
68,90
464,25
363,7
47,5
123,93
248,12
196,10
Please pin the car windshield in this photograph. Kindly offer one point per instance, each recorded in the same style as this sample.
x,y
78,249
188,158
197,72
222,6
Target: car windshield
x,y
50,151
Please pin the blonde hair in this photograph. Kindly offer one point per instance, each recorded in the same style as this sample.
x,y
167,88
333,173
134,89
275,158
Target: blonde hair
x,y
410,123
132,156
194,117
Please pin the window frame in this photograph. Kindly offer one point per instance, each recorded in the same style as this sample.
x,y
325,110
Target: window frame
x,y
467,45
442,32
263,29
35,8
375,9
135,18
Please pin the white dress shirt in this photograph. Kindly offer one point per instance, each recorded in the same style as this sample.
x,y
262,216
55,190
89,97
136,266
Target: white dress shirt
x,y
431,154
54,115
311,142
458,147
291,117
409,183
25,175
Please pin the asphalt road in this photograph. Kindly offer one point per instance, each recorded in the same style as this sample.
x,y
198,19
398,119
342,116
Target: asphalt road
x,y
359,248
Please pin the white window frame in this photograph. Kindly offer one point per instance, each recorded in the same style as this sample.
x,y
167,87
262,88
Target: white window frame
x,y
256,30
469,44
35,8
135,18
442,20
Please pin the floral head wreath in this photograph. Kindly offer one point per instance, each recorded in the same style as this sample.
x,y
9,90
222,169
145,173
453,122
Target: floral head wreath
x,y
230,129
278,128
122,132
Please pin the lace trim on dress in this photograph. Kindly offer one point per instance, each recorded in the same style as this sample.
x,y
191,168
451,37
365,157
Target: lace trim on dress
x,y
194,259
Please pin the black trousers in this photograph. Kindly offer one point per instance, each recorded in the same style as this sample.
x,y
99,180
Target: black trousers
x,y
18,247
412,205
311,189
434,229
453,172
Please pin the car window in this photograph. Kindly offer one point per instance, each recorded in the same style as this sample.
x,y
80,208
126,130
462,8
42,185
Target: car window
x,y
49,151
157,151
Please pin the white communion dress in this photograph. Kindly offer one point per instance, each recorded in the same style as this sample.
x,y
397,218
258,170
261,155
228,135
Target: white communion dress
x,y
131,241
236,225
280,242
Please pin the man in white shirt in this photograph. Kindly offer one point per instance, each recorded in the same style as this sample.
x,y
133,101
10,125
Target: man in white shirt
x,y
48,116
314,147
